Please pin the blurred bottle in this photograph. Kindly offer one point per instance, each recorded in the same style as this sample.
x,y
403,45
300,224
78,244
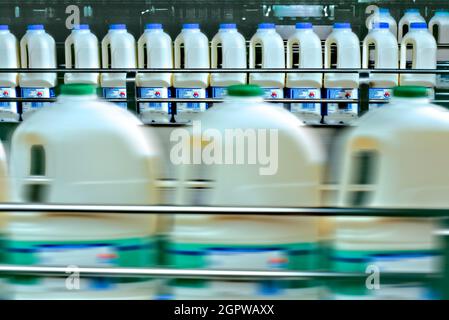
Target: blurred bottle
x,y
439,27
267,51
81,52
37,50
228,51
380,51
342,50
4,197
289,175
384,169
424,56
154,50
410,16
118,51
8,81
191,51
305,85
73,152
382,15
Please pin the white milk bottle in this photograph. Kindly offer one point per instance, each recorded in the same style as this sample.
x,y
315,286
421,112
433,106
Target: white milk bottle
x,y
267,51
341,85
228,51
291,177
424,56
382,162
57,159
82,51
439,27
154,50
9,51
383,15
380,51
37,50
118,51
305,85
191,51
410,16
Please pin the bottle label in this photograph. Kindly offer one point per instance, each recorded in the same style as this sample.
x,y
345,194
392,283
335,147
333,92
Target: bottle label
x,y
342,112
253,257
306,110
116,93
379,94
154,93
35,93
218,92
273,93
191,93
8,110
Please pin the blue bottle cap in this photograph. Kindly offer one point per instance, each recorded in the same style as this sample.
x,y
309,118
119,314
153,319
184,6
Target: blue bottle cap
x,y
418,25
117,27
303,25
266,26
190,26
381,25
228,26
81,27
153,26
413,10
384,11
4,27
35,27
342,25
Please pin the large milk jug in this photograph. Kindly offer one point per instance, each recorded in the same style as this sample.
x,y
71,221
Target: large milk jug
x,y
290,177
304,51
382,15
380,51
384,168
410,16
424,56
191,51
118,51
341,85
37,50
228,51
267,51
81,52
74,152
154,50
9,52
439,27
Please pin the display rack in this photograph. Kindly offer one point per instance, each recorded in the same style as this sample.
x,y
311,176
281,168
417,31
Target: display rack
x,y
441,278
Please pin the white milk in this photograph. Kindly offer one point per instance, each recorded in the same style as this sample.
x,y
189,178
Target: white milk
x,y
291,178
37,50
410,16
439,27
154,50
272,55
383,160
191,51
342,85
305,85
56,159
385,55
228,51
424,56
9,52
82,51
382,15
118,50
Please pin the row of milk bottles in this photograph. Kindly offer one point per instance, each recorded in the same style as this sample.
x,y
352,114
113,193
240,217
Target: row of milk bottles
x,y
191,50
46,146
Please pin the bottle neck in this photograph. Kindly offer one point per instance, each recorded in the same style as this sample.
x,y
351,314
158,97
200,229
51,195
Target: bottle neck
x,y
244,99
408,102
